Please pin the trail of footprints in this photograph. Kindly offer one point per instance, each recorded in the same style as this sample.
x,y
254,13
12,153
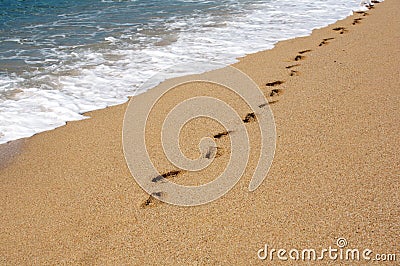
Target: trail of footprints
x,y
300,56
273,95
213,152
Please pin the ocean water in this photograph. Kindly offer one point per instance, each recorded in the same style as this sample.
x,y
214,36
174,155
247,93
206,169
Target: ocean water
x,y
59,58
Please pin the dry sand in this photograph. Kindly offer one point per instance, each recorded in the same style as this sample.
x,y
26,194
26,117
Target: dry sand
x,y
67,196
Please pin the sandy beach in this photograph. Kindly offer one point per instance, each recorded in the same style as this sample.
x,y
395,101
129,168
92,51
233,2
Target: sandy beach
x,y
68,197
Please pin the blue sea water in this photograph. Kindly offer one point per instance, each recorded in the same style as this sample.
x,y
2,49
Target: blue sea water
x,y
61,58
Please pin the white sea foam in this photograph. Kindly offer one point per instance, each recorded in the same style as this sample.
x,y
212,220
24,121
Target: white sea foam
x,y
74,80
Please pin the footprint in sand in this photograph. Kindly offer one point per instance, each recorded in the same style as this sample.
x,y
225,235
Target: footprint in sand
x,y
356,21
220,135
341,30
299,57
274,83
291,66
325,41
269,103
292,71
273,96
211,152
276,92
304,51
214,152
362,13
169,174
153,200
250,117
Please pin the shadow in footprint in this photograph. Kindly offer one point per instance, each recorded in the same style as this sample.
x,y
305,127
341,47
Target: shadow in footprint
x,y
294,73
299,57
338,28
341,30
305,51
220,135
250,117
211,152
273,101
275,92
214,152
220,152
362,13
291,66
169,174
356,21
269,102
275,83
152,200
325,41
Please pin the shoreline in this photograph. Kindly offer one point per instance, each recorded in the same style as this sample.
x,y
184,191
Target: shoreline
x,y
69,197
12,146
126,99
9,151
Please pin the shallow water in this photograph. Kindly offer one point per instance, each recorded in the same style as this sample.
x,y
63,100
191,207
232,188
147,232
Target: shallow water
x,y
59,59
